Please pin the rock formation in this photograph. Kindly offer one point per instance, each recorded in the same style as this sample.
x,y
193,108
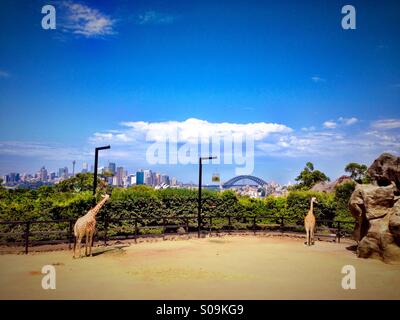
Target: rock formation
x,y
376,208
330,186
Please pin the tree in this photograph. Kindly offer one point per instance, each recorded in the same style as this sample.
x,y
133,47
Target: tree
x,y
309,177
358,172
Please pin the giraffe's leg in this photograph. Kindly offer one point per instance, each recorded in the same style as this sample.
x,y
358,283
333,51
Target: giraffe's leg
x,y
306,236
87,242
312,236
90,242
78,243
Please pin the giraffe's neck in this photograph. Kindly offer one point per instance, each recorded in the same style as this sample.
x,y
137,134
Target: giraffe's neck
x,y
311,208
97,208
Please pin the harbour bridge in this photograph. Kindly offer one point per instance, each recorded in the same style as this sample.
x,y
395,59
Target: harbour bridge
x,y
243,180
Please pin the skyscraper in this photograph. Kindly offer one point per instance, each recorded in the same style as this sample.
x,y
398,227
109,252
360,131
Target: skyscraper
x,y
63,173
120,174
139,177
111,168
43,174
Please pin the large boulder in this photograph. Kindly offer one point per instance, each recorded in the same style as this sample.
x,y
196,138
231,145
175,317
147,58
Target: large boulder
x,y
376,208
385,170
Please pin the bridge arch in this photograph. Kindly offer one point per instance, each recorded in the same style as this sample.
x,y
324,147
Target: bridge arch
x,y
234,180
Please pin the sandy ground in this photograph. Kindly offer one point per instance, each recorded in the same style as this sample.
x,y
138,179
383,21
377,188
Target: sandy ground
x,y
229,267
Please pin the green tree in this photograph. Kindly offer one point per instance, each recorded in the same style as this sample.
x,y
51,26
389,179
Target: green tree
x,y
309,177
358,172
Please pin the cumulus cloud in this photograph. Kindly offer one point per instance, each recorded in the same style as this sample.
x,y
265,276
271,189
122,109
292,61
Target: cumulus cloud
x,y
84,21
132,139
330,124
187,131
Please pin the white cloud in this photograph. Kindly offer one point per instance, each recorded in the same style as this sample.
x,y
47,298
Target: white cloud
x,y
348,121
85,21
333,124
386,124
330,124
130,142
153,17
317,79
188,131
4,74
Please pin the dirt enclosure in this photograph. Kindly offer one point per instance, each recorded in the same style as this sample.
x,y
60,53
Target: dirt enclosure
x,y
229,267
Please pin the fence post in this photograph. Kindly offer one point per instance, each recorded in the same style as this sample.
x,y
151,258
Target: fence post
x,y
105,229
210,225
282,224
338,232
136,230
254,225
70,235
28,224
229,224
187,225
163,236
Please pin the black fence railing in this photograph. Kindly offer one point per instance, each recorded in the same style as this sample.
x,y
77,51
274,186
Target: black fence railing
x,y
30,233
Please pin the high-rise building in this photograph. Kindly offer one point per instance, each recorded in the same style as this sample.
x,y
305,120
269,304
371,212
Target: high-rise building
x,y
120,174
52,175
63,173
174,182
111,168
164,179
139,177
131,179
148,177
43,174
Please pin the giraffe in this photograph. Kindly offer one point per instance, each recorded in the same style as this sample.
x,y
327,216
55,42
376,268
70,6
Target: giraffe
x,y
85,226
309,222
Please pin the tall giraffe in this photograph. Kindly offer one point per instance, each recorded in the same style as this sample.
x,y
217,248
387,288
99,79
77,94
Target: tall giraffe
x,y
309,222
85,226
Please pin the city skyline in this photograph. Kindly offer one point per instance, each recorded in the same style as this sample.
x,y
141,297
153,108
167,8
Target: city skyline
x,y
286,72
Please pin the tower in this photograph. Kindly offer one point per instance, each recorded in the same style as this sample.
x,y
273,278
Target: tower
x,y
73,167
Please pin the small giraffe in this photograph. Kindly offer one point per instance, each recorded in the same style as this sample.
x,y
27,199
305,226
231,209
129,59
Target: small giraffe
x,y
85,226
309,222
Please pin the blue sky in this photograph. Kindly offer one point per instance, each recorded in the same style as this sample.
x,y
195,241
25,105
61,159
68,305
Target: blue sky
x,y
335,92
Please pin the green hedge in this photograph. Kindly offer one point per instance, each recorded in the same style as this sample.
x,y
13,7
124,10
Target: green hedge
x,y
145,202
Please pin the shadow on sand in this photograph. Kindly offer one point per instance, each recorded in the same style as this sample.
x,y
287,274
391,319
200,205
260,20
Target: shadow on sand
x,y
352,248
115,250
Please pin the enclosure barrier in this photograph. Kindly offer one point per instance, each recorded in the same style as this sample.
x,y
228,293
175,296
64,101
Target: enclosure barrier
x,y
164,225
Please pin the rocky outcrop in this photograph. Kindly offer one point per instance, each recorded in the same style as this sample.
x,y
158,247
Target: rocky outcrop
x,y
330,186
376,208
385,170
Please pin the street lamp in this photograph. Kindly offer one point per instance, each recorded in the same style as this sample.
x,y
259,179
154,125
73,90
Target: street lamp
x,y
96,156
199,203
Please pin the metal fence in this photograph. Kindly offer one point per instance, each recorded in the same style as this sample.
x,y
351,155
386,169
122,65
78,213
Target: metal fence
x,y
28,233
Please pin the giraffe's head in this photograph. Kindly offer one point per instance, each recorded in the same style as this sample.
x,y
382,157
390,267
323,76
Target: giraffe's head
x,y
105,196
314,200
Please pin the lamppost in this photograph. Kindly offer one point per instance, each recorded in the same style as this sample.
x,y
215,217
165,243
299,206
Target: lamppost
x,y
96,156
199,203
